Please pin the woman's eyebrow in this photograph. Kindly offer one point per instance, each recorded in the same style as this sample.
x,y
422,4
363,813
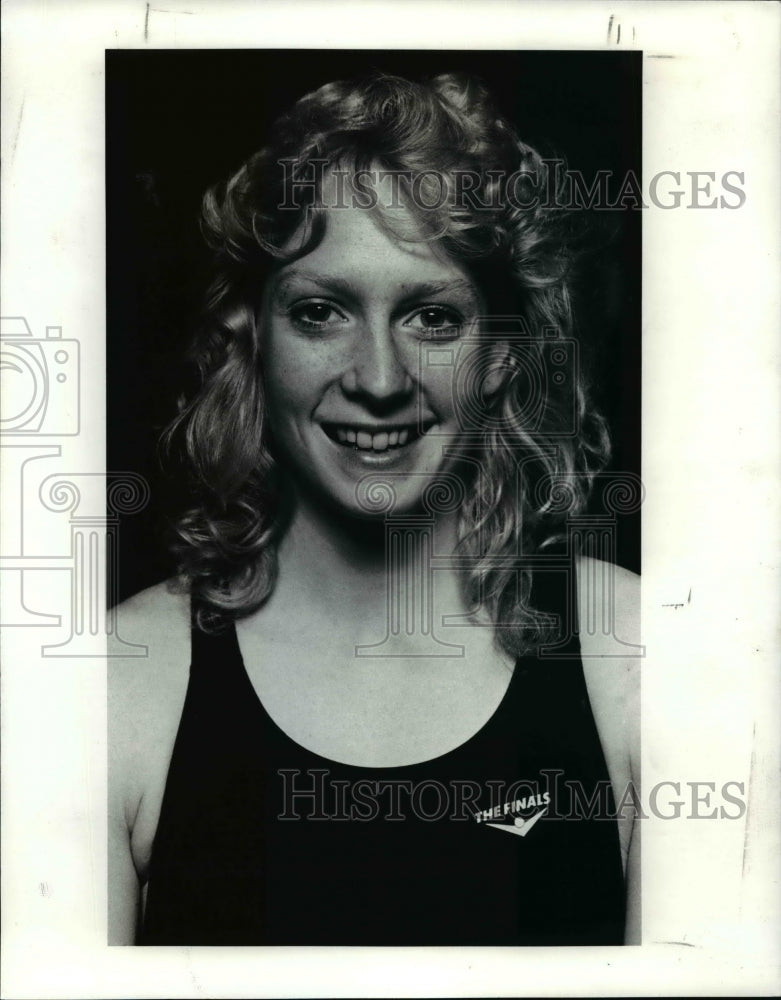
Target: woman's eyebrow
x,y
408,290
329,282
453,286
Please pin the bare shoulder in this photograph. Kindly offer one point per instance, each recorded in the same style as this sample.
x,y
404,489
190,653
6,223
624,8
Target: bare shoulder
x,y
156,621
146,692
609,614
612,653
156,607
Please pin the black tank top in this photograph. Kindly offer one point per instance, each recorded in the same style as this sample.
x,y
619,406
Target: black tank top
x,y
510,839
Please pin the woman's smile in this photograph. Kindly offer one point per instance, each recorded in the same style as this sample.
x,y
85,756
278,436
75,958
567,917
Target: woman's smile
x,y
360,337
377,440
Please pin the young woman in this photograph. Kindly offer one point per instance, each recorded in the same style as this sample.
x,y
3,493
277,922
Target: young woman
x,y
366,716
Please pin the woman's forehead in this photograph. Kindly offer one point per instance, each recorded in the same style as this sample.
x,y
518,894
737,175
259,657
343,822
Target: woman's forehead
x,y
359,248
371,234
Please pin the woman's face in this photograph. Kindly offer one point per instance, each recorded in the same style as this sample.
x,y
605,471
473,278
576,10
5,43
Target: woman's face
x,y
360,336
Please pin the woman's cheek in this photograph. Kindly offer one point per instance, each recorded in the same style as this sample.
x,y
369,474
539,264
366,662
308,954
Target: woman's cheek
x,y
438,390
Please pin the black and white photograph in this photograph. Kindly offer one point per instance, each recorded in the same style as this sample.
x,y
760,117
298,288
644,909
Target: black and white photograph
x,y
389,516
368,655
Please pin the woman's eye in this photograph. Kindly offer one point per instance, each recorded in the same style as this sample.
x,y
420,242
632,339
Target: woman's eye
x,y
315,315
437,322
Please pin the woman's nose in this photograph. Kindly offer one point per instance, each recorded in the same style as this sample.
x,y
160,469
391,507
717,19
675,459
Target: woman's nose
x,y
377,373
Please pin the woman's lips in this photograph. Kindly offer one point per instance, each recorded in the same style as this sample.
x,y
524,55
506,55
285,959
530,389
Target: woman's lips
x,y
361,438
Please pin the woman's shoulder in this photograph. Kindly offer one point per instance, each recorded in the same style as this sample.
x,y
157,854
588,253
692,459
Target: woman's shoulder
x,y
150,645
153,612
148,668
612,652
610,594
151,635
151,625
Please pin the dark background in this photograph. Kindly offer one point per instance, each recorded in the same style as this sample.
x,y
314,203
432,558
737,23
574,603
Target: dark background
x,y
178,121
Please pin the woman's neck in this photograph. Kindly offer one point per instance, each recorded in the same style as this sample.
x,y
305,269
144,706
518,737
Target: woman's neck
x,y
334,562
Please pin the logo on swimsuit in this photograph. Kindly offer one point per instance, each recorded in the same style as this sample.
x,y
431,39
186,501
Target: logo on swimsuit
x,y
520,825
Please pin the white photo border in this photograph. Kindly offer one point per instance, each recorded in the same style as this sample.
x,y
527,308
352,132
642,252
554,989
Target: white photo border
x,y
710,529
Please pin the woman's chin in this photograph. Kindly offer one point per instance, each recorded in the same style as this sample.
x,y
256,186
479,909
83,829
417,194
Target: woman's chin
x,y
373,498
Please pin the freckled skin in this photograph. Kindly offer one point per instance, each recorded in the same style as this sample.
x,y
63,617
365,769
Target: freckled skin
x,y
347,333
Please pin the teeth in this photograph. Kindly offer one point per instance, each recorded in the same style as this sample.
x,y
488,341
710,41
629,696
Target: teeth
x,y
364,441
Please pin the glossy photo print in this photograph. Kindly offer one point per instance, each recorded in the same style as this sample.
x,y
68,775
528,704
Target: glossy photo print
x,y
375,349
389,481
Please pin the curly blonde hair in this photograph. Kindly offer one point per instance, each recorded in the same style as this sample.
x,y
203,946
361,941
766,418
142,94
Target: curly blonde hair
x,y
514,240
